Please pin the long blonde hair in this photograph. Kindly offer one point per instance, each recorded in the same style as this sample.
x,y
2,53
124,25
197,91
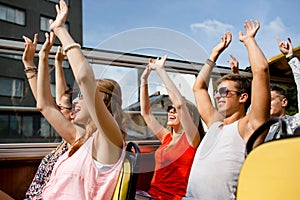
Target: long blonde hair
x,y
113,101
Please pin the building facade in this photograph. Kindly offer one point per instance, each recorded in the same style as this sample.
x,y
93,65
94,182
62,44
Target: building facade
x,y
19,120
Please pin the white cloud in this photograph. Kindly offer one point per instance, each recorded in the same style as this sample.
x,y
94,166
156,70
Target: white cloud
x,y
267,37
211,27
276,26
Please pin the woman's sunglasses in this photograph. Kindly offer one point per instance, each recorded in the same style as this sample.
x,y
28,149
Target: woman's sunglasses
x,y
171,109
79,96
63,107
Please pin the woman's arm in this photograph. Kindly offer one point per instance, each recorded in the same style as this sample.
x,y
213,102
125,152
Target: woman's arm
x,y
28,61
108,139
158,130
178,101
60,82
45,101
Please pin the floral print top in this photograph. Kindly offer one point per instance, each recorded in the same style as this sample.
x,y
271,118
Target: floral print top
x,y
44,171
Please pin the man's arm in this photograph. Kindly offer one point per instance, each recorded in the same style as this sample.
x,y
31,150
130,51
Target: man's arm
x,y
286,49
205,107
260,97
234,64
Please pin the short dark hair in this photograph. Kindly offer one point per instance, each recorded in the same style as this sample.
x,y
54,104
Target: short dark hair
x,y
243,85
279,90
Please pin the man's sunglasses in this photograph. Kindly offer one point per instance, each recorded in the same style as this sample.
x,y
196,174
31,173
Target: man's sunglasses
x,y
224,91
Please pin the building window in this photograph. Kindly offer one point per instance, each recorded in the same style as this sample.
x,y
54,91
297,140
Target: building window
x,y
12,15
57,1
15,57
45,26
22,127
11,87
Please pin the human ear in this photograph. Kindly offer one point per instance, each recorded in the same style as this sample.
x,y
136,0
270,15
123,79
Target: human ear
x,y
244,97
284,102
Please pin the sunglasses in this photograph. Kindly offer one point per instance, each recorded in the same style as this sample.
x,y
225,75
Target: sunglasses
x,y
224,91
171,109
79,95
63,107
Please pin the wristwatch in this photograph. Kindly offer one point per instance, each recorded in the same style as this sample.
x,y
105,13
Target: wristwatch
x,y
290,57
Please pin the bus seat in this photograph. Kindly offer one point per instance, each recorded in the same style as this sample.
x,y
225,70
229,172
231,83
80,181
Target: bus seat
x,y
127,181
271,170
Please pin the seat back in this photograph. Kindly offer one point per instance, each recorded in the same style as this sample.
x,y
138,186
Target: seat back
x,y
271,170
127,181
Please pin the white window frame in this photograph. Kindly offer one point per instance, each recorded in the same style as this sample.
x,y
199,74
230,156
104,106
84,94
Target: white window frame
x,y
13,15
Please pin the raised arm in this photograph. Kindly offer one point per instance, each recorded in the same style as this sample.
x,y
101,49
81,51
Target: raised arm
x,y
234,64
205,107
178,102
158,130
60,82
286,49
108,139
28,61
45,101
260,98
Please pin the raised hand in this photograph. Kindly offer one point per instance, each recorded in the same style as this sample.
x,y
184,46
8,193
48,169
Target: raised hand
x,y
61,16
29,51
50,39
219,48
145,74
251,30
59,56
285,47
234,64
158,63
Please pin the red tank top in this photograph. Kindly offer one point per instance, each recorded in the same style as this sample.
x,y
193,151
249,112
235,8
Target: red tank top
x,y
172,169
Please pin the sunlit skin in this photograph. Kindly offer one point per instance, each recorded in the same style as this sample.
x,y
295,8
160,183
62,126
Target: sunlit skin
x,y
81,114
278,105
173,119
68,113
227,105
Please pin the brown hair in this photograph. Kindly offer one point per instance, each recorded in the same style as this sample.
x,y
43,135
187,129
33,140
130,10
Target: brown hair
x,y
242,84
113,102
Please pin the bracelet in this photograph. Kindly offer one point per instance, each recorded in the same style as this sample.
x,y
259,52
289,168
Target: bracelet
x,y
30,69
290,57
71,46
144,82
32,76
210,63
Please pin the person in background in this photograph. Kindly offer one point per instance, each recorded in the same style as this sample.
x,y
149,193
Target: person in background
x,y
279,101
173,159
90,168
45,168
63,94
221,153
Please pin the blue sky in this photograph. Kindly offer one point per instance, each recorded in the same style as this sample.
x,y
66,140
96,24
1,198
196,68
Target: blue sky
x,y
188,29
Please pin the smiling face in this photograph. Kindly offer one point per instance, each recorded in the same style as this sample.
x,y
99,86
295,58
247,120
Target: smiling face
x,y
80,113
65,107
227,98
173,118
